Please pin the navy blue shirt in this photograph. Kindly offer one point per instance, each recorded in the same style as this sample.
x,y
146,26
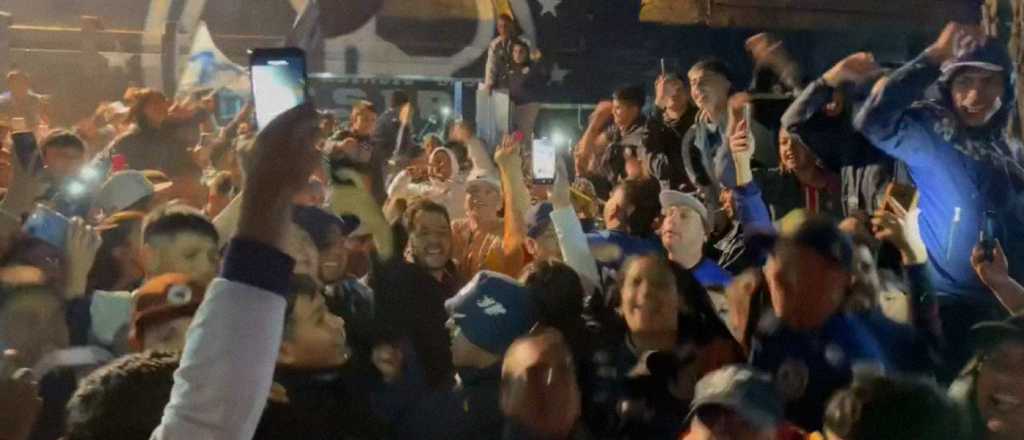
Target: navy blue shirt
x,y
809,366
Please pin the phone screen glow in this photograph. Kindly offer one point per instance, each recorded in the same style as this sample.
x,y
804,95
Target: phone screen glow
x,y
543,159
277,86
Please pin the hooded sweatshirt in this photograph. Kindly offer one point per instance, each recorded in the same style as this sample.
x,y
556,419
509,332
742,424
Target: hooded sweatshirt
x,y
960,172
451,193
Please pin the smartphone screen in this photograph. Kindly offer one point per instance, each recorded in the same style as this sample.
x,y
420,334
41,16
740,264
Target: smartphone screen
x,y
47,225
278,81
543,161
26,150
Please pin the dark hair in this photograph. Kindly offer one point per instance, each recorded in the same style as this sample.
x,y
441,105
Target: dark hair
x,y
881,408
172,219
117,230
399,98
16,251
642,195
630,94
557,291
123,400
139,98
701,322
300,284
714,65
60,138
422,205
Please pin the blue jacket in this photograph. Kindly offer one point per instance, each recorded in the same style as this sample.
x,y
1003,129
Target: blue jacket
x,y
955,188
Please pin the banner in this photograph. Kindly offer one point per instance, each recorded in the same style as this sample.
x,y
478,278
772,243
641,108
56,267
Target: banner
x,y
208,68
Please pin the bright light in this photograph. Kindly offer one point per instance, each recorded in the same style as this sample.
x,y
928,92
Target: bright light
x,y
445,111
90,173
76,189
558,138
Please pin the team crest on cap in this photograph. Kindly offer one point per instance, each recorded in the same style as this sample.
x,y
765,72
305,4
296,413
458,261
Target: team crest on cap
x,y
179,294
491,307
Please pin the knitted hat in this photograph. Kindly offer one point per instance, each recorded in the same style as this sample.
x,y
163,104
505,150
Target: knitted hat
x,y
492,310
162,299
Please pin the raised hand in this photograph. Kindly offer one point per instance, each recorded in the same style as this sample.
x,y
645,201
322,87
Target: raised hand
x,y
955,36
508,156
560,195
900,227
857,68
80,247
994,272
276,167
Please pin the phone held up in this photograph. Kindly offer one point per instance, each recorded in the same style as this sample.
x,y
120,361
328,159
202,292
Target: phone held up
x,y
987,236
544,161
279,81
27,151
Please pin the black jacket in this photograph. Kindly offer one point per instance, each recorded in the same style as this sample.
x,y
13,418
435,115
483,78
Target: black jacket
x,y
865,170
323,404
471,411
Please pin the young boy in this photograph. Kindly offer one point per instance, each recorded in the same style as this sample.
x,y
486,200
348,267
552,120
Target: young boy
x,y
180,239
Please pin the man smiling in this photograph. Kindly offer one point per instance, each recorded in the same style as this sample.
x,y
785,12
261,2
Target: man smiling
x,y
956,150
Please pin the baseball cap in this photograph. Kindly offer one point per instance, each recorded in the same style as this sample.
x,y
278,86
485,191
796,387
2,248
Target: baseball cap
x,y
988,334
482,177
317,222
538,218
124,188
742,389
492,310
162,299
817,233
989,57
670,198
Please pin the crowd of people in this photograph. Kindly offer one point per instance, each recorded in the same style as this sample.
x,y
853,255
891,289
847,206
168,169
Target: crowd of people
x,y
701,268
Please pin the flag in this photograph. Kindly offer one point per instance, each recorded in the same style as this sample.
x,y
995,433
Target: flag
x,y
208,68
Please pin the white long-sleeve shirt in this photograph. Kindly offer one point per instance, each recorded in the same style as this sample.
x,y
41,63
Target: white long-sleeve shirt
x,y
575,247
227,368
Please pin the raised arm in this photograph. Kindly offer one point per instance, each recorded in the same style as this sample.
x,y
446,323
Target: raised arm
x,y
996,276
355,200
885,115
516,197
571,239
901,228
221,387
593,142
750,207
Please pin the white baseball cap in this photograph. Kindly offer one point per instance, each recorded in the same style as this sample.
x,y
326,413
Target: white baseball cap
x,y
125,188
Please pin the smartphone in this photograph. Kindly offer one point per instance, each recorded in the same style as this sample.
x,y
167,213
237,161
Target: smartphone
x,y
663,70
987,236
903,195
47,225
544,161
27,151
278,81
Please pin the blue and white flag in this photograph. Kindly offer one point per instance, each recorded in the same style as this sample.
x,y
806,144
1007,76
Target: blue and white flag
x,y
208,68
